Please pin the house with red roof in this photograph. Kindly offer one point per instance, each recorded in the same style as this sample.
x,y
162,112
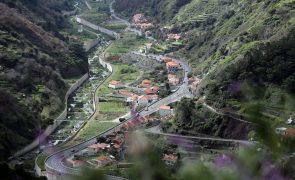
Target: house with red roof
x,y
152,91
167,59
165,111
170,159
172,66
101,161
116,85
78,163
143,100
146,83
95,148
175,37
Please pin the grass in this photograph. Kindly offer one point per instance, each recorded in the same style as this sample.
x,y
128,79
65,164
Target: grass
x,y
40,160
112,106
129,41
115,26
125,77
94,128
98,14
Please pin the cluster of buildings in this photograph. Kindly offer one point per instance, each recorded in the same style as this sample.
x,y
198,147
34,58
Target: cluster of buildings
x,y
139,21
287,132
194,83
171,65
101,153
116,85
173,37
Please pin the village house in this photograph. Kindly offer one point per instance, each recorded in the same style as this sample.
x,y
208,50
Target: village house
x,y
143,100
170,159
152,91
116,85
154,97
101,161
146,83
165,111
139,18
95,148
175,37
148,34
172,66
77,163
194,84
167,59
173,79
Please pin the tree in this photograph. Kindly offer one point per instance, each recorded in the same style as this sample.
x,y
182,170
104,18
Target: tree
x,y
185,113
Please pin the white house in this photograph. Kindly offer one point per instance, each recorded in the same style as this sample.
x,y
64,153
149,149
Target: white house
x,y
143,100
165,111
116,85
281,130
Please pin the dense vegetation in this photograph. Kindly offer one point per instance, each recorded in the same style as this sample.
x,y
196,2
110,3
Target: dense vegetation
x,y
35,61
244,46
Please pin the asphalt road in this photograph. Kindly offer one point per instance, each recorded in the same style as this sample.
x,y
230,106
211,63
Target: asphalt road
x,y
156,130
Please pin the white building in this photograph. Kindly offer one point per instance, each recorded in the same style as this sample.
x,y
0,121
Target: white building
x,y
116,85
165,111
143,100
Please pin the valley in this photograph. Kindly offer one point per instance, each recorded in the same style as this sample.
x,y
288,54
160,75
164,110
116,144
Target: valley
x,y
133,89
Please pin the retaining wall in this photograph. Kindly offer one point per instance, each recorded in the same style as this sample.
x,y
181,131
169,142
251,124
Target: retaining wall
x,y
90,44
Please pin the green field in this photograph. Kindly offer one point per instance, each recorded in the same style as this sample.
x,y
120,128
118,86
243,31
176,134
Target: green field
x,y
40,161
125,77
115,26
98,14
129,41
106,107
94,128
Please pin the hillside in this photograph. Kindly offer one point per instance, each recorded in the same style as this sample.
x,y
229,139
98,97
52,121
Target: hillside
x,y
35,61
239,48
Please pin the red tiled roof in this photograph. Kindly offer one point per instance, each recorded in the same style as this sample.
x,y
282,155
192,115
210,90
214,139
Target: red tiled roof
x,y
78,162
103,158
290,132
172,64
170,157
144,97
146,81
115,82
165,107
98,146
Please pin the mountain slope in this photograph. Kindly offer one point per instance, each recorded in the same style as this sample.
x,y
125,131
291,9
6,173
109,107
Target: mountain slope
x,y
35,60
232,45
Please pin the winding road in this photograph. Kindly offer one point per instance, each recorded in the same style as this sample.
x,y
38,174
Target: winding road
x,y
54,164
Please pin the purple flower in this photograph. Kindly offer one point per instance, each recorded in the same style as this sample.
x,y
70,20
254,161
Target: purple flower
x,y
223,161
270,172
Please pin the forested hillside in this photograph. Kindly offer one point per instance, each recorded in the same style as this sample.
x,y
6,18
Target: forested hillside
x,y
35,61
239,48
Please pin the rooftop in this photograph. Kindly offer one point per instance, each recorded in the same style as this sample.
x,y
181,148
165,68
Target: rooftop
x,y
172,64
115,82
170,157
98,146
165,107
